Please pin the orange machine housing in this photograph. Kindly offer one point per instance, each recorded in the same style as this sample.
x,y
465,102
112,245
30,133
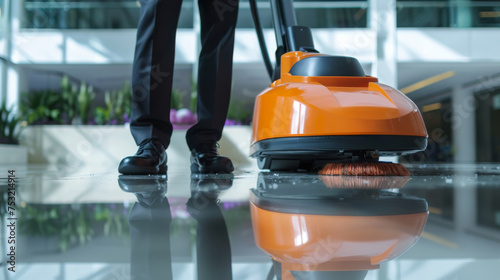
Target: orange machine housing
x,y
329,105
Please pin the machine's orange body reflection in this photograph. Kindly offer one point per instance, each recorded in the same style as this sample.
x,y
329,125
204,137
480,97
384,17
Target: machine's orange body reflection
x,y
313,228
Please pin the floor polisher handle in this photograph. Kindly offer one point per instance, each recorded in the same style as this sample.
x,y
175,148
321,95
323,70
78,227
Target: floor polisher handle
x,y
289,36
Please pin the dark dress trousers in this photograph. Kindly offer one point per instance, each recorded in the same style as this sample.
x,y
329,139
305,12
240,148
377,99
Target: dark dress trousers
x,y
154,64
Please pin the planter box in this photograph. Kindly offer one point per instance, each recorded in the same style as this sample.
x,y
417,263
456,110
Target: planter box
x,y
13,157
13,154
77,145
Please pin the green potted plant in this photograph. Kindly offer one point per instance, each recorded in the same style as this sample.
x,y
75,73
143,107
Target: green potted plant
x,y
85,100
10,151
69,99
41,107
117,108
9,126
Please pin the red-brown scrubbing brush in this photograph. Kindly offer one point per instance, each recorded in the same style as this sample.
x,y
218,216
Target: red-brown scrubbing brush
x,y
365,182
365,169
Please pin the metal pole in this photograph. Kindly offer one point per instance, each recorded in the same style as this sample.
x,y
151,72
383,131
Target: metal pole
x,y
7,50
382,19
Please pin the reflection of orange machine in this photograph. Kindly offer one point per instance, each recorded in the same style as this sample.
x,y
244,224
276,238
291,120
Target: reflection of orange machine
x,y
308,228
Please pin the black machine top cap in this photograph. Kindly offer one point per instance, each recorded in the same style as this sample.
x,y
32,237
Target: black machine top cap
x,y
328,65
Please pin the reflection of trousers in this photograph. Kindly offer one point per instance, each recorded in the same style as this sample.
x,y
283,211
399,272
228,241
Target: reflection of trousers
x,y
151,258
154,63
213,248
150,240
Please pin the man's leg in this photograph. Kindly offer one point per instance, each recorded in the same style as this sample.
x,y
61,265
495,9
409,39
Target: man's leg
x,y
218,23
153,70
152,86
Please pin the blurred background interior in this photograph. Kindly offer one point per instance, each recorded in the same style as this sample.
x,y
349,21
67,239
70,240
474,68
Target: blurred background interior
x,y
69,62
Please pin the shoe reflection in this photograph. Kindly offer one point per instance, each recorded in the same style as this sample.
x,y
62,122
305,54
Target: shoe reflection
x,y
320,227
150,220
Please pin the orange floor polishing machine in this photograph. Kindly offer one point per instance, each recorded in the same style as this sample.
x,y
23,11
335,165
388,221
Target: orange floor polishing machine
x,y
324,109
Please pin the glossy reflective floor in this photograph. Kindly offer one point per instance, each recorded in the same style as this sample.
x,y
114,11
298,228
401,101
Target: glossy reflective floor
x,y
91,223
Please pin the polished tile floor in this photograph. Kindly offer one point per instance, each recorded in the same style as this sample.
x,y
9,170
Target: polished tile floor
x,y
90,223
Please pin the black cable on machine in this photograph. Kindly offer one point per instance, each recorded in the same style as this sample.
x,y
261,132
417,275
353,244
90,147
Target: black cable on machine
x,y
270,275
260,37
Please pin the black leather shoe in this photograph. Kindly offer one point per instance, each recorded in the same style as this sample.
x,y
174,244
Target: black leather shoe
x,y
150,158
205,158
